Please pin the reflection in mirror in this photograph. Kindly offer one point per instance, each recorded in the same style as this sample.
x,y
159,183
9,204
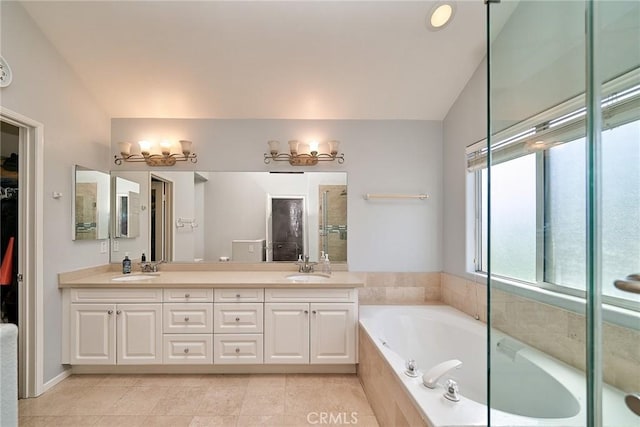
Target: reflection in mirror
x,y
90,204
127,203
228,216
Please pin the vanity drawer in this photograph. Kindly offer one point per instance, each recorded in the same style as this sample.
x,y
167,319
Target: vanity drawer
x,y
238,317
196,318
239,295
188,349
236,349
116,295
188,295
311,295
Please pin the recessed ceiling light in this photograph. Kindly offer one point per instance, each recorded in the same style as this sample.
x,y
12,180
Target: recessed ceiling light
x,y
440,15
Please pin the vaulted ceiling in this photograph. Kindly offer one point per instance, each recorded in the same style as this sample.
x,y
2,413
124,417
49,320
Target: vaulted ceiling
x,y
263,59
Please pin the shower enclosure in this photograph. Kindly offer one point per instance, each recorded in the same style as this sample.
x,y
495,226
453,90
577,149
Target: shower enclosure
x,y
558,195
333,221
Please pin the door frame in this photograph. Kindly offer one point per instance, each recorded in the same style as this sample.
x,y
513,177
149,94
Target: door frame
x,y
168,249
30,253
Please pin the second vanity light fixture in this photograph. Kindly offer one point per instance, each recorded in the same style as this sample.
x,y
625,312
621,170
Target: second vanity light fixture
x,y
304,154
153,155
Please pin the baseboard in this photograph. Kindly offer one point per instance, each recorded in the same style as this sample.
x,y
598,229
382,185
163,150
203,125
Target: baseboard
x,y
214,369
55,380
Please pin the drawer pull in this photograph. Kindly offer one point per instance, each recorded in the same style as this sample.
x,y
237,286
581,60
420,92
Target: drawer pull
x,y
110,312
186,319
237,319
237,295
186,350
187,295
237,350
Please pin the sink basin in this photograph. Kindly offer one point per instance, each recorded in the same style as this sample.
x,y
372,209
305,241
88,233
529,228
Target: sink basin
x,y
308,277
135,277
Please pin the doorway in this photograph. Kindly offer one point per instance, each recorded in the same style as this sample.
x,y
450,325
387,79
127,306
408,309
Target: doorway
x,y
22,148
9,222
286,227
161,219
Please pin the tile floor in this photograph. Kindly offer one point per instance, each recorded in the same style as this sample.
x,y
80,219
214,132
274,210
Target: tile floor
x,y
201,400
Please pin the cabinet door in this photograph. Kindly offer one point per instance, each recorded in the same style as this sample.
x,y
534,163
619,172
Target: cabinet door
x,y
139,331
93,334
333,333
286,334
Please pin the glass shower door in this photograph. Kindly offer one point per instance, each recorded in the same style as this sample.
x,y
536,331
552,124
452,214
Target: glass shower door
x,y
561,197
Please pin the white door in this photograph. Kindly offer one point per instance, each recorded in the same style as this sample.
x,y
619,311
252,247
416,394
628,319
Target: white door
x,y
93,334
333,333
139,331
286,334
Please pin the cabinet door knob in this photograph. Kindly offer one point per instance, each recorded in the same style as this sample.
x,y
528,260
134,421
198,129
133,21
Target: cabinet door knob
x,y
314,312
186,350
110,312
186,319
237,319
237,350
119,312
187,295
306,312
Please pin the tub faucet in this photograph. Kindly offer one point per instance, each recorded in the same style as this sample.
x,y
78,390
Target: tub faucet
x,y
430,379
452,391
411,368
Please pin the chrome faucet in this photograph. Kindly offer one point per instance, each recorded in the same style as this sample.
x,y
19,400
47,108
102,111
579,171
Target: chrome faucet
x,y
305,266
150,267
430,379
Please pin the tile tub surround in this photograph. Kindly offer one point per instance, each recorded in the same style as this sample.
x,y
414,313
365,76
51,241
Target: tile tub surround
x,y
390,401
197,400
400,288
555,331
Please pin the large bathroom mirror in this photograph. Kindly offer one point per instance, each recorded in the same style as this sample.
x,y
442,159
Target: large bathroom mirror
x,y
91,204
238,216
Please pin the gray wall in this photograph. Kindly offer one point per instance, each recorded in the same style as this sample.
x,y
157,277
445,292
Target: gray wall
x,y
76,130
382,156
465,124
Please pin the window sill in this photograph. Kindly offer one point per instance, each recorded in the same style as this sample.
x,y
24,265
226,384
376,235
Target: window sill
x,y
610,313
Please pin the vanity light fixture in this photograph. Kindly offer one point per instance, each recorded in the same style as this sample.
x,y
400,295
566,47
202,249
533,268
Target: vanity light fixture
x,y
149,153
441,15
305,154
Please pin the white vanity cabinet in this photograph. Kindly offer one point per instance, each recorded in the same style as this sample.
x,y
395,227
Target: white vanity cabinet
x,y
220,327
316,326
107,334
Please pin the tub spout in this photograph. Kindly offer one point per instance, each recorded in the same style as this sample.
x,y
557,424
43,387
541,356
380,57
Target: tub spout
x,y
432,376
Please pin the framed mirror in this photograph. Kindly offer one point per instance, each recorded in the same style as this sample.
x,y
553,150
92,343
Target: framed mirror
x,y
230,216
91,204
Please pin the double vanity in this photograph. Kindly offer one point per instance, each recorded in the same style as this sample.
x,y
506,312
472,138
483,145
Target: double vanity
x,y
210,321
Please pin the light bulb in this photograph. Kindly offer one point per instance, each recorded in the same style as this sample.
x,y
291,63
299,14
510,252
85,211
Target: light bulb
x,y
145,147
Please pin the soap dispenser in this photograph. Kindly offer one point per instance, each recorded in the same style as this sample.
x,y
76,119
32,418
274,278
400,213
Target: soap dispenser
x,y
126,264
326,265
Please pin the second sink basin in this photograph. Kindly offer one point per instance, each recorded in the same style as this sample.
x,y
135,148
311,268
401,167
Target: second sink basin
x,y
135,277
308,277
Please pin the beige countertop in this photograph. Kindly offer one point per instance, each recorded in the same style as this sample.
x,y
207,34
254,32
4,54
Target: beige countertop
x,y
215,279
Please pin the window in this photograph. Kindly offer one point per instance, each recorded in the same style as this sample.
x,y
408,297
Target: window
x,y
538,196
